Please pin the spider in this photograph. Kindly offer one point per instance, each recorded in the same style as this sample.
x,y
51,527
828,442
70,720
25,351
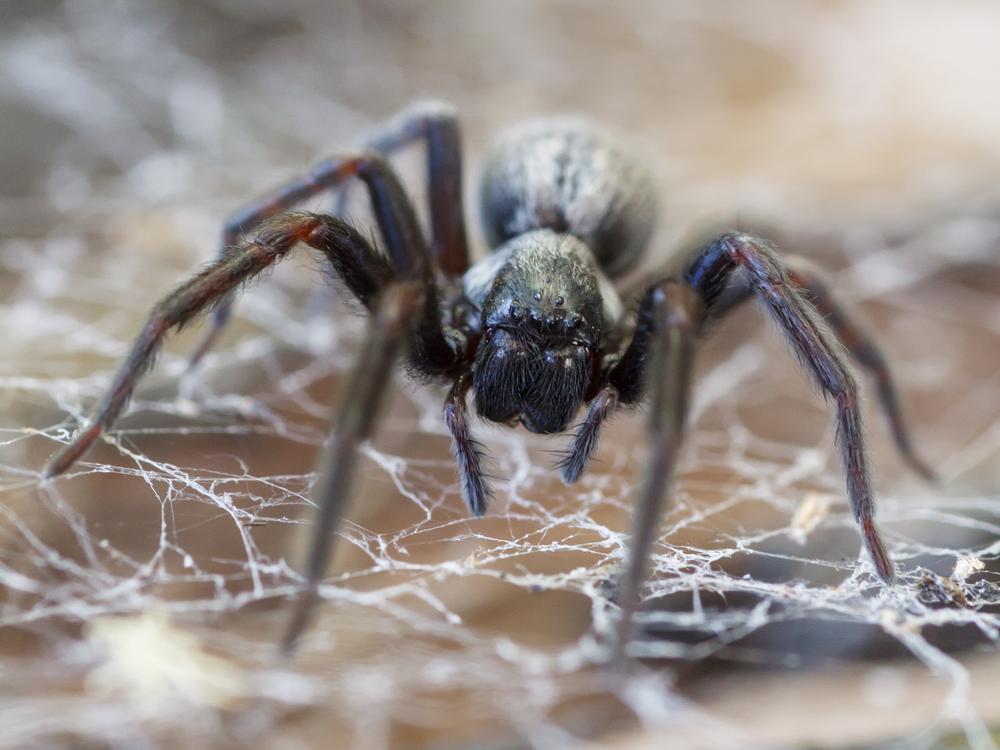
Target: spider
x,y
539,328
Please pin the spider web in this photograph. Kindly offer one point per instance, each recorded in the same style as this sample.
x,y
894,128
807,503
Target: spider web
x,y
144,593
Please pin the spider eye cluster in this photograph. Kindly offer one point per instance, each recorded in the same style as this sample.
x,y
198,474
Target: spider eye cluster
x,y
545,320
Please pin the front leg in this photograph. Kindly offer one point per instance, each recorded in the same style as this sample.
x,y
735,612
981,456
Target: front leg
x,y
853,335
353,423
662,354
365,271
181,306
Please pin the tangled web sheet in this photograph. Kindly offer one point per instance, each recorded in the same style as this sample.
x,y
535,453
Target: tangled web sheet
x,y
142,596
180,531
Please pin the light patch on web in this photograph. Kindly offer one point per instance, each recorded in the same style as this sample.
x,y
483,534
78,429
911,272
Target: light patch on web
x,y
150,661
966,566
810,513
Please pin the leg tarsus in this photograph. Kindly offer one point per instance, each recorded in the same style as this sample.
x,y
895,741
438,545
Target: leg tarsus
x,y
889,400
883,563
72,452
302,610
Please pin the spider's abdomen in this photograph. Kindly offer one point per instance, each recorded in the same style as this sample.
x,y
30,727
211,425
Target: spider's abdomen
x,y
568,176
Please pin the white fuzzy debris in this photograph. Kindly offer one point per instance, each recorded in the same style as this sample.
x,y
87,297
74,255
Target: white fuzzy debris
x,y
965,567
152,662
811,511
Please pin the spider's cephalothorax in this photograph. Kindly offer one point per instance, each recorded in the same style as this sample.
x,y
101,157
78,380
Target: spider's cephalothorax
x,y
538,327
543,321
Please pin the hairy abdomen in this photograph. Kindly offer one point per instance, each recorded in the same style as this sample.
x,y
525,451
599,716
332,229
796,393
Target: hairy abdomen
x,y
567,175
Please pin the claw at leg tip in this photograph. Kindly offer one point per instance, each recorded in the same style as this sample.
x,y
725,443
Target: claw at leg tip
x,y
52,470
880,558
57,465
300,619
70,453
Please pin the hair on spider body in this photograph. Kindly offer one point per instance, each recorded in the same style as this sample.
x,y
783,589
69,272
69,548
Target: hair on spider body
x,y
537,328
544,319
568,175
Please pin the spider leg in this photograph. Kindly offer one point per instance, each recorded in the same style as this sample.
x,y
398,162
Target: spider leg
x,y
437,124
353,423
669,316
364,271
466,449
177,308
585,440
245,220
866,352
816,349
854,336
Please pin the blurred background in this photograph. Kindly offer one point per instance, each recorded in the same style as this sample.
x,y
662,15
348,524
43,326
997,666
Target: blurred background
x,y
141,596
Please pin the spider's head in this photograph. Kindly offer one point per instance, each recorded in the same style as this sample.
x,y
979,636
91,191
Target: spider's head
x,y
542,323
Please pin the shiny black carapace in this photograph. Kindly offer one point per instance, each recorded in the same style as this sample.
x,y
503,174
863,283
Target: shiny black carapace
x,y
538,328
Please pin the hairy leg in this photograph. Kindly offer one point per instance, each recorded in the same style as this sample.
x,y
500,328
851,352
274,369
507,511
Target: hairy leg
x,y
363,269
437,124
709,273
671,313
178,308
353,423
866,352
576,459
853,335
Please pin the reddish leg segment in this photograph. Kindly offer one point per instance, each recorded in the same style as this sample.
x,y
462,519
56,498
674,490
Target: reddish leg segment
x,y
816,349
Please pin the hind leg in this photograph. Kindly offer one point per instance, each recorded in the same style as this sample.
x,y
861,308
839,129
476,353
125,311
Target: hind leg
x,y
852,333
437,125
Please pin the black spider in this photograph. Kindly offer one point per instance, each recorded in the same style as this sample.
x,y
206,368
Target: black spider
x,y
537,328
